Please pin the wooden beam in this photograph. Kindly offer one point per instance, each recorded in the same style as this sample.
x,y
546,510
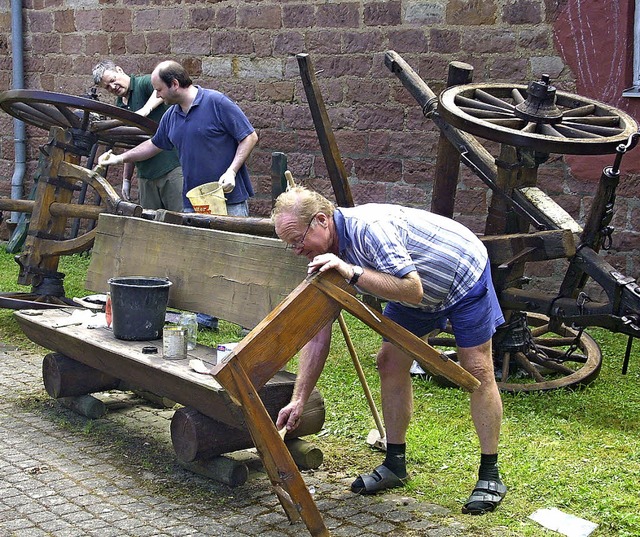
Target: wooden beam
x,y
236,277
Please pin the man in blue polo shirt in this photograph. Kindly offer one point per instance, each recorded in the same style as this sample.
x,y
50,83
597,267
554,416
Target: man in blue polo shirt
x,y
160,177
212,135
429,269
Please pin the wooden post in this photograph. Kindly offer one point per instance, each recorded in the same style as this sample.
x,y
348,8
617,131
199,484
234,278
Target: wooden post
x,y
332,159
445,182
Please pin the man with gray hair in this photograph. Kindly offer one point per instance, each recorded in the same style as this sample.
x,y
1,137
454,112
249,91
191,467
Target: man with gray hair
x,y
160,180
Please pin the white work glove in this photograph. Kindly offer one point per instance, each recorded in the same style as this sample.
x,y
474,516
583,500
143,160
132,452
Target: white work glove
x,y
108,158
126,190
228,181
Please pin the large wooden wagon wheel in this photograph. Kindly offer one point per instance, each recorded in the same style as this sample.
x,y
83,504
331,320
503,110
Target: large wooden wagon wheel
x,y
90,121
76,125
536,117
532,352
534,355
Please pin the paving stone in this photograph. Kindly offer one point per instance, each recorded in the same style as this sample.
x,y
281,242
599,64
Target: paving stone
x,y
63,477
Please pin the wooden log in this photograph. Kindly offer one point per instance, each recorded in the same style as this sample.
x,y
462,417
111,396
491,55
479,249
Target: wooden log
x,y
85,405
65,377
225,470
197,437
163,402
305,454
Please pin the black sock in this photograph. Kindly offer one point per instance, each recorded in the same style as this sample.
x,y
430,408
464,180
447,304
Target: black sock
x,y
396,460
489,468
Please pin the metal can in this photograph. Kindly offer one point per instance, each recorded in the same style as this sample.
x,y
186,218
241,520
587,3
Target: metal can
x,y
174,343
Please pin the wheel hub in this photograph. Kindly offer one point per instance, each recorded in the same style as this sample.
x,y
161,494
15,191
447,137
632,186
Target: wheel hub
x,y
540,104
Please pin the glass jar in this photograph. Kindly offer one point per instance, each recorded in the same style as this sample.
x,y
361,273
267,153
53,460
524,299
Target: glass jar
x,y
189,321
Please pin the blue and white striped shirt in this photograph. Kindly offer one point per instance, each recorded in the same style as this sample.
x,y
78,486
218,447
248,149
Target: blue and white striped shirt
x,y
396,240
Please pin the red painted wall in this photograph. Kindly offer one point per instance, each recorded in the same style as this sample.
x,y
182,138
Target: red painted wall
x,y
595,39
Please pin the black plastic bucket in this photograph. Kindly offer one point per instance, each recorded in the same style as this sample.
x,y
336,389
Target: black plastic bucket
x,y
138,306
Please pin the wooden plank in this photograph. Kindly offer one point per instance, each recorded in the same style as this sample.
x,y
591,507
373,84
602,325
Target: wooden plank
x,y
429,358
280,335
283,473
97,348
544,245
546,209
237,277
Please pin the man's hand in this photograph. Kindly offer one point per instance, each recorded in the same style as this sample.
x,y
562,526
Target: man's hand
x,y
228,181
328,261
126,190
108,158
289,416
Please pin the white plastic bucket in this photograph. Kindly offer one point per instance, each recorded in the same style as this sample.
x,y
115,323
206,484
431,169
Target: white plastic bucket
x,y
208,199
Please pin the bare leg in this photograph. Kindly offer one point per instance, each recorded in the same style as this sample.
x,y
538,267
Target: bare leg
x,y
397,405
396,391
486,413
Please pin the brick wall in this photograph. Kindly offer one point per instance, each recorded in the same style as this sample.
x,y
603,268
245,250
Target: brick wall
x,y
246,49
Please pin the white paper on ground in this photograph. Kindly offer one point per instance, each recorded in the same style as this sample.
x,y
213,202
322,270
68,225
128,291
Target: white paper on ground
x,y
569,525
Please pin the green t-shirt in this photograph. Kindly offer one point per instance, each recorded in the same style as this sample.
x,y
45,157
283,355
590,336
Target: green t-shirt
x,y
140,89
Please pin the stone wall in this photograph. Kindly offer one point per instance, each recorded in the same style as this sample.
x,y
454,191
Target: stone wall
x,y
246,49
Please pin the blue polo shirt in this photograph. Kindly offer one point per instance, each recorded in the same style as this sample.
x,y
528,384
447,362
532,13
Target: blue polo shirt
x,y
206,138
396,240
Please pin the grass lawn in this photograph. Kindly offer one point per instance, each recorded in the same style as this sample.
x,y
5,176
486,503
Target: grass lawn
x,y
578,451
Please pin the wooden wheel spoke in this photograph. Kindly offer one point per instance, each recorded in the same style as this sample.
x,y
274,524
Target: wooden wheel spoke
x,y
472,103
517,96
523,361
565,130
486,97
550,364
559,355
581,111
605,121
486,114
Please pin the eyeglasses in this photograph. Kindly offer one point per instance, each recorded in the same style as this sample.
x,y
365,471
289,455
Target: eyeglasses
x,y
299,244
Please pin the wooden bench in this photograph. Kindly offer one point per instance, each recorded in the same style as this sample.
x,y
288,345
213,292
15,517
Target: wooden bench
x,y
240,278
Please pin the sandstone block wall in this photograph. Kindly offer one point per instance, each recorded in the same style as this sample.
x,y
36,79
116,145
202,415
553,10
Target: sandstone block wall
x,y
246,49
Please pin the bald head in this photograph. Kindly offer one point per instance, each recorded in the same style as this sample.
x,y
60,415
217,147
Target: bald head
x,y
170,70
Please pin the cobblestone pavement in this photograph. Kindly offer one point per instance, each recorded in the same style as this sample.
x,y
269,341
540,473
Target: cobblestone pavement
x,y
66,476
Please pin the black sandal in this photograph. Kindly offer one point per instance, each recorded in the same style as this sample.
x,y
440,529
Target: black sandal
x,y
486,496
380,479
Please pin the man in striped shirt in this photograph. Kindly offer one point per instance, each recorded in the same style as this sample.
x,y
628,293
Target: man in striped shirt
x,y
429,269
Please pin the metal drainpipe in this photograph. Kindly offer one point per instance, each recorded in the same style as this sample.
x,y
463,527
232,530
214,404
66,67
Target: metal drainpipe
x,y
17,181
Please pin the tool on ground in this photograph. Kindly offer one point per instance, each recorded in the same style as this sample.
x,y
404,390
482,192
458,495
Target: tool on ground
x,y
376,437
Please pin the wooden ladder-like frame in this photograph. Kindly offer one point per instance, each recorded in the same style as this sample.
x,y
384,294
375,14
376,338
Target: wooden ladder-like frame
x,y
270,345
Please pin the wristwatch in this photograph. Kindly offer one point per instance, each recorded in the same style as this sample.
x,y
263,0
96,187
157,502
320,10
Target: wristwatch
x,y
357,272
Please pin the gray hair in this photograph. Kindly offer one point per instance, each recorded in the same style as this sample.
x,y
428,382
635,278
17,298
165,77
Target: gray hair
x,y
100,68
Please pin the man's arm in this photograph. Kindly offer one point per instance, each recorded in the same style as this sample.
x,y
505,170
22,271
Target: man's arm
x,y
406,289
143,151
312,359
152,103
246,145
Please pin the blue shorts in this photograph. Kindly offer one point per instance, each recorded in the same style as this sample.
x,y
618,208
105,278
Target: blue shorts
x,y
474,318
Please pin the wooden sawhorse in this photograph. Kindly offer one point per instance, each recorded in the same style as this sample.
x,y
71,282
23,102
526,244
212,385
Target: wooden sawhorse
x,y
273,342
